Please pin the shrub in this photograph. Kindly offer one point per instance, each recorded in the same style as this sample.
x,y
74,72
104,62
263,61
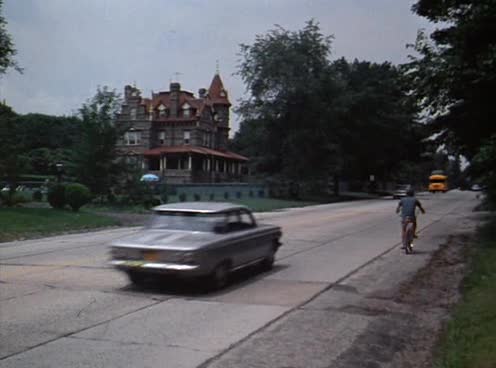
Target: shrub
x,y
197,197
151,202
11,199
238,195
226,195
37,195
56,196
212,196
164,197
182,197
77,195
251,193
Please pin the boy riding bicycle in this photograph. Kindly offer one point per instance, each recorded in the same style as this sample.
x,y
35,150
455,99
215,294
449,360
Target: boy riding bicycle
x,y
407,206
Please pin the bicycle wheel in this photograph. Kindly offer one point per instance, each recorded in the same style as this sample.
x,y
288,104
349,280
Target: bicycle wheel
x,y
408,240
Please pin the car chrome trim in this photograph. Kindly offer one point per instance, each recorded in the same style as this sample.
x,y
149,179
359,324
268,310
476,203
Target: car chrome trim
x,y
153,265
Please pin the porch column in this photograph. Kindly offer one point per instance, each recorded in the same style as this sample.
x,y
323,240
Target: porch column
x,y
160,163
208,164
216,165
190,162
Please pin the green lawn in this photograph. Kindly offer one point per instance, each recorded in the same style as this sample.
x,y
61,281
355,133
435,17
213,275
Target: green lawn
x,y
255,204
470,338
16,223
269,204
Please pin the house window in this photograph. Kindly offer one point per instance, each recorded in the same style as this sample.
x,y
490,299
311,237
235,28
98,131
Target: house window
x,y
132,138
133,114
186,110
161,137
187,136
162,110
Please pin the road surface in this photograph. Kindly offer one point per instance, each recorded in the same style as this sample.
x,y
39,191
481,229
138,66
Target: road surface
x,y
62,306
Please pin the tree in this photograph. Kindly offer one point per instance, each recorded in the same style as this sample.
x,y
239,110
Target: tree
x,y
12,155
47,139
7,50
306,118
376,105
455,75
94,162
287,75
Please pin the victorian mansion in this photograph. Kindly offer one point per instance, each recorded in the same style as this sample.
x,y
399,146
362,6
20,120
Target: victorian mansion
x,y
180,137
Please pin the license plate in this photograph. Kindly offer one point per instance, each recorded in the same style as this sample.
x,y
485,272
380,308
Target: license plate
x,y
151,256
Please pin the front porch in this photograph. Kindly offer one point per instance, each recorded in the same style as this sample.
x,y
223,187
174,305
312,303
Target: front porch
x,y
182,165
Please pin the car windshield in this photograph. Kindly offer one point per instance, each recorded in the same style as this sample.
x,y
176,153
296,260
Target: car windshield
x,y
190,221
402,187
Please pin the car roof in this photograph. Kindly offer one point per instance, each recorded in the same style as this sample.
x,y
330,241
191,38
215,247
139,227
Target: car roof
x,y
199,207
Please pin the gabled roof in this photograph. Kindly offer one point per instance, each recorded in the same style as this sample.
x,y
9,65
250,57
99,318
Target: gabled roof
x,y
216,95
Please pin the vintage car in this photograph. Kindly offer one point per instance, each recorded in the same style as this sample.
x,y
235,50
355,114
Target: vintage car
x,y
197,239
401,190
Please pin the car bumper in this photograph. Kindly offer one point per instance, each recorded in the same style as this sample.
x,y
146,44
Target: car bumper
x,y
157,267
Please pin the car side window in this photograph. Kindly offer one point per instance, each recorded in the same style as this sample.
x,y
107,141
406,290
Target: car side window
x,y
239,220
247,219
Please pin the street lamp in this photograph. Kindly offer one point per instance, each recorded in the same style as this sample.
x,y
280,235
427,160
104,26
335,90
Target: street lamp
x,y
60,168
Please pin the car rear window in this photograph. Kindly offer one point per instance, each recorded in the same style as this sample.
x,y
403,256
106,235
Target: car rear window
x,y
189,221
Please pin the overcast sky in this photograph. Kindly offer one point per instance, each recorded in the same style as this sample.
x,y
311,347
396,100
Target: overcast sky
x,y
69,47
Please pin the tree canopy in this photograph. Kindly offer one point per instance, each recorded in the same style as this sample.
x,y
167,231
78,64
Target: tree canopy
x,y
307,118
7,48
94,161
455,76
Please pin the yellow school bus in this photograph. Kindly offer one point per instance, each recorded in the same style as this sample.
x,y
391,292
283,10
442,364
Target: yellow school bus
x,y
438,182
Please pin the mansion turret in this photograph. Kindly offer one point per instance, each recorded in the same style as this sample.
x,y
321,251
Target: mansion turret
x,y
178,136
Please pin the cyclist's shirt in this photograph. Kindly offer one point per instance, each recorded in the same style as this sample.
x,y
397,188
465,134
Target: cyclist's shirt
x,y
408,205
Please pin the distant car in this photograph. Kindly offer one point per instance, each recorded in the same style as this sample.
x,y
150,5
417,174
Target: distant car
x,y
476,188
19,188
197,239
401,190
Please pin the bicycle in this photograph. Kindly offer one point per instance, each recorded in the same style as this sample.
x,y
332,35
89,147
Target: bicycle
x,y
408,234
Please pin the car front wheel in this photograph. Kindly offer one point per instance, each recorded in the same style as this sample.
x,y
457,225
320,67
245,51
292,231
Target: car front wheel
x,y
220,276
136,278
270,258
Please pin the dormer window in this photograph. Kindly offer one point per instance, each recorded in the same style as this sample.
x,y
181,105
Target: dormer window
x,y
186,110
162,110
222,93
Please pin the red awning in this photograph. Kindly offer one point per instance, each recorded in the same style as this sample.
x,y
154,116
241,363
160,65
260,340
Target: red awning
x,y
194,149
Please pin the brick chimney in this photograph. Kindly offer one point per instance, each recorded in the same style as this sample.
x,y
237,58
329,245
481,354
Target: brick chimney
x,y
175,89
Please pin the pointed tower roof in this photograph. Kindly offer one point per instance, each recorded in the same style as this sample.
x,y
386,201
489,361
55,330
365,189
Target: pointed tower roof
x,y
217,93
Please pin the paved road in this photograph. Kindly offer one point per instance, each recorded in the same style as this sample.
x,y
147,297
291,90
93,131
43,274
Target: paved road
x,y
62,306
